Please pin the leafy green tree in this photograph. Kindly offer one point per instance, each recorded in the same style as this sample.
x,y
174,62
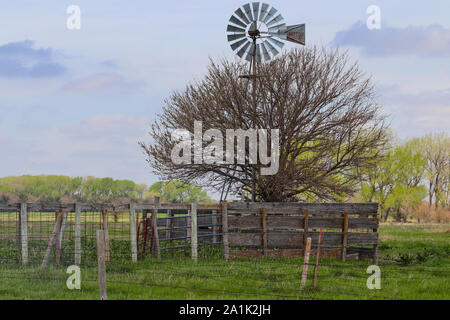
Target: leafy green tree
x,y
395,183
140,190
56,188
177,191
436,149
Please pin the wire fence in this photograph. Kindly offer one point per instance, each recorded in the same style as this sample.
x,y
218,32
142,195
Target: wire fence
x,y
65,233
263,279
255,283
68,234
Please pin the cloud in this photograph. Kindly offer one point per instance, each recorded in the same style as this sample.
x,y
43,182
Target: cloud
x,y
430,41
101,82
425,99
21,59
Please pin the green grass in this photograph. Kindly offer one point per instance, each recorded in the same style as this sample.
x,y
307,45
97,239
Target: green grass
x,y
414,261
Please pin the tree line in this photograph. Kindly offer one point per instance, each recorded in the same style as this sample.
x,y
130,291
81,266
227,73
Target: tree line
x,y
411,180
55,188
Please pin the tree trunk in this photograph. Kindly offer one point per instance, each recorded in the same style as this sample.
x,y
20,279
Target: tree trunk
x,y
430,194
387,214
398,216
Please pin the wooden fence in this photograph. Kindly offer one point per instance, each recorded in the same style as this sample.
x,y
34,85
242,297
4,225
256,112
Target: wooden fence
x,y
244,229
281,229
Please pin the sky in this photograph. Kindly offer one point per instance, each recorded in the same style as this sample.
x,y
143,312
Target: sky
x,y
77,102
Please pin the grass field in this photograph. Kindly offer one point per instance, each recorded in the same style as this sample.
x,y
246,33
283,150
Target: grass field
x,y
414,262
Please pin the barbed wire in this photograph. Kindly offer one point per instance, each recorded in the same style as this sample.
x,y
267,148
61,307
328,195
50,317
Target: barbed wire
x,y
308,294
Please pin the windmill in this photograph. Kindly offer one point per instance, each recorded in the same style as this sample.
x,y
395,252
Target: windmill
x,y
257,31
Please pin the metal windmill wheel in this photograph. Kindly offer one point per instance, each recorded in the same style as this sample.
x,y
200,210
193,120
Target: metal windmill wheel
x,y
257,30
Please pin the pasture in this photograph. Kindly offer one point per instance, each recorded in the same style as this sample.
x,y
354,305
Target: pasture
x,y
414,262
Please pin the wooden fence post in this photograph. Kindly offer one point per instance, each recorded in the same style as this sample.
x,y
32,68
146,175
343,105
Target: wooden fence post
x,y
316,270
188,228
55,232
106,233
101,258
194,232
305,264
305,228
63,229
77,234
264,227
24,232
133,239
214,226
59,237
169,224
375,246
344,236
226,245
155,228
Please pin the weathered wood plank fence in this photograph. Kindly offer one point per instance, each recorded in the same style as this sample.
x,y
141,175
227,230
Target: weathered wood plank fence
x,y
281,229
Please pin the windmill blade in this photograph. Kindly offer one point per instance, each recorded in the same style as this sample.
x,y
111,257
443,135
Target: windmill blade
x,y
253,26
248,11
255,10
296,33
278,18
263,13
235,20
277,43
271,48
232,37
265,52
250,53
232,28
242,51
271,13
238,44
241,15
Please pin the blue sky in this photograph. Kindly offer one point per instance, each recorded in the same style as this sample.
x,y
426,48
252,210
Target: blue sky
x,y
76,102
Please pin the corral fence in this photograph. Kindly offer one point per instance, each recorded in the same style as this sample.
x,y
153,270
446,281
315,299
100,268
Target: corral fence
x,y
350,231
66,233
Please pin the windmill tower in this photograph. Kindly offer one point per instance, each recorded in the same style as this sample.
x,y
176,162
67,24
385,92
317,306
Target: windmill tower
x,y
257,31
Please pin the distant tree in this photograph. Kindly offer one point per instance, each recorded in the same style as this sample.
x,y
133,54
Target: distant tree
x,y
140,190
395,183
4,199
53,188
436,149
178,192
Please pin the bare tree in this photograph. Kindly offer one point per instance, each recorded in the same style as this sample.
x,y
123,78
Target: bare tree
x,y
436,148
324,107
